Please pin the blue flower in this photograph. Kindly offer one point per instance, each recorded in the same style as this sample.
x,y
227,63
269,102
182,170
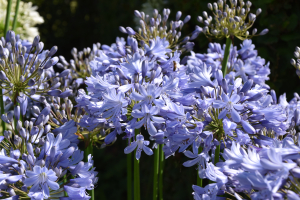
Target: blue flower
x,y
140,144
147,115
41,179
157,48
113,105
147,96
229,105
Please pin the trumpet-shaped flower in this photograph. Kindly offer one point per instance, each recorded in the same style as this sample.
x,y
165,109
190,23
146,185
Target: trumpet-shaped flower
x,y
230,105
41,179
141,145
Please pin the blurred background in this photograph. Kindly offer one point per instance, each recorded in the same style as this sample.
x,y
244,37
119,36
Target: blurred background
x,y
80,23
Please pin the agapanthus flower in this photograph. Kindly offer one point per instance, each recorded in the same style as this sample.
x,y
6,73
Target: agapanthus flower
x,y
140,145
30,72
154,36
35,159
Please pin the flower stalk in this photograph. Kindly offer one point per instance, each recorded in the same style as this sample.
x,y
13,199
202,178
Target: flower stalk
x,y
136,173
161,171
8,8
156,172
226,56
129,177
16,15
199,180
89,150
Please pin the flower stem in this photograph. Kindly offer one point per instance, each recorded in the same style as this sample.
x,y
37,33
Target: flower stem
x,y
8,8
65,181
136,174
161,171
156,171
87,152
226,56
16,15
199,180
129,176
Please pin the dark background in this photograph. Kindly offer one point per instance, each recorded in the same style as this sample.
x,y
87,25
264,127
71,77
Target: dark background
x,y
80,23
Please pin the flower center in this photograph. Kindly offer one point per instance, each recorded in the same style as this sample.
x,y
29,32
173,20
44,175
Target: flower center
x,y
43,177
229,105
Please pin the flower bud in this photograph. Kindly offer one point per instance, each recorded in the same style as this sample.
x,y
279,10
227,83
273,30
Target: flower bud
x,y
264,32
209,6
200,19
53,50
258,11
36,40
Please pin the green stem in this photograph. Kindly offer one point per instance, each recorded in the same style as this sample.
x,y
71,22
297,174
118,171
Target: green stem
x,y
161,171
65,181
226,56
199,180
129,176
155,174
217,154
16,15
87,151
2,111
8,8
136,174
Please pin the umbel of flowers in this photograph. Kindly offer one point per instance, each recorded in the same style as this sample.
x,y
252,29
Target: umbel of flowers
x,y
215,107
39,157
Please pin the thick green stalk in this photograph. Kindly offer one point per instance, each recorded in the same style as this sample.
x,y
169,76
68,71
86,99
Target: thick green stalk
x,y
155,174
8,8
136,174
129,176
16,15
87,151
65,181
199,180
161,171
226,56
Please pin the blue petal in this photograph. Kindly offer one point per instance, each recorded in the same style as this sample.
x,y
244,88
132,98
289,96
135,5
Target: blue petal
x,y
235,115
147,150
191,162
53,185
247,127
130,148
222,114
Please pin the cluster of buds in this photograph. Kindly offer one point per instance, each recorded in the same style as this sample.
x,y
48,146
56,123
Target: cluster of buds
x,y
295,63
26,68
79,66
230,20
157,26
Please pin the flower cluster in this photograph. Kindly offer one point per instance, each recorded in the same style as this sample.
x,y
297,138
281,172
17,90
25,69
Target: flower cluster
x,y
152,28
296,64
28,18
37,162
39,158
27,69
243,63
188,105
79,66
230,20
